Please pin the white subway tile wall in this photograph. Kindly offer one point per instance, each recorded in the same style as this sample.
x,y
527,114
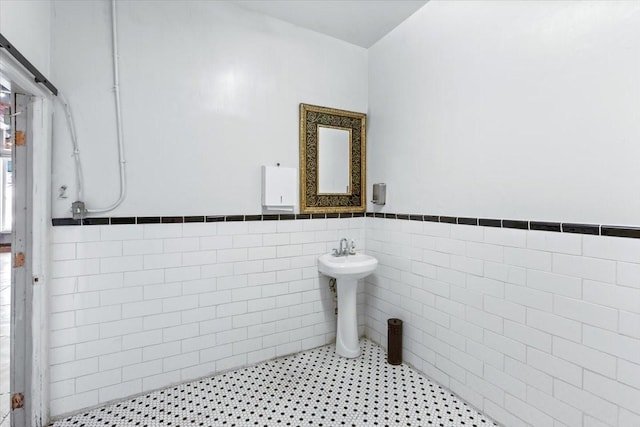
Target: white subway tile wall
x,y
138,307
533,328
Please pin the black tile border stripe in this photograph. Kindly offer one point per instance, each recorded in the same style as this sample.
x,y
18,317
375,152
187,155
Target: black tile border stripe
x,y
559,227
615,231
95,221
468,221
148,220
590,229
581,228
510,223
171,219
201,218
123,220
188,219
488,222
66,221
545,226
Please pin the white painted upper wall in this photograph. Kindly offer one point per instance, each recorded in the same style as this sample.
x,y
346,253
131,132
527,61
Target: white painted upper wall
x,y
210,92
524,110
27,25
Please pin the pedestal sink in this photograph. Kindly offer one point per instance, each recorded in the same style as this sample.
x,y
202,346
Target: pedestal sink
x,y
347,270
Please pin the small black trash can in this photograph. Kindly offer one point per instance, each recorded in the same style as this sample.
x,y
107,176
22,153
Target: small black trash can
x,y
394,341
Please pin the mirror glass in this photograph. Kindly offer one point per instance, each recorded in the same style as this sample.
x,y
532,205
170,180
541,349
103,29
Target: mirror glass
x,y
334,160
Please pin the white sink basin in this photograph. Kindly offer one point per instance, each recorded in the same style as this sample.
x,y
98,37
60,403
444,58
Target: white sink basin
x,y
354,266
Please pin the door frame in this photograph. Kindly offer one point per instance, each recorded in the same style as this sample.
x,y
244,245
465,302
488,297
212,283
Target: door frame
x,y
20,245
35,279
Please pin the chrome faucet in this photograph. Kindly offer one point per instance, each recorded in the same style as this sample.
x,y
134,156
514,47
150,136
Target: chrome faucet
x,y
342,251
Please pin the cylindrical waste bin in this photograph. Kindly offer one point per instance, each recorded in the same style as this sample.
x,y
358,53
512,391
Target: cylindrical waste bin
x,y
394,341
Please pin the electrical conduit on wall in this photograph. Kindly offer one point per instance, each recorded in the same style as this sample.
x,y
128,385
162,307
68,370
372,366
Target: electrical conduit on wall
x,y
79,209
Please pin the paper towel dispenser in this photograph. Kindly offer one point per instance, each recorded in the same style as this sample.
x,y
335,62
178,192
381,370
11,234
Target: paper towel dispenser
x,y
279,188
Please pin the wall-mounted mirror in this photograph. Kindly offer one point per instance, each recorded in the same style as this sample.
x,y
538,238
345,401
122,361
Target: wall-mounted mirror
x,y
332,160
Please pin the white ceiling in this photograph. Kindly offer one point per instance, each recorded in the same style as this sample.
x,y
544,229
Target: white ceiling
x,y
360,22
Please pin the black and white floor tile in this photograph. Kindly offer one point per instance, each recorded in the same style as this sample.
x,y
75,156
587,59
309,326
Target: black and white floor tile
x,y
313,388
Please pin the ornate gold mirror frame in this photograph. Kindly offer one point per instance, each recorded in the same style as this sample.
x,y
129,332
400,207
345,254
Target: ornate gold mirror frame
x,y
311,201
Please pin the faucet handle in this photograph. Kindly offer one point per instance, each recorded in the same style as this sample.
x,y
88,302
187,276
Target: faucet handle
x,y
335,252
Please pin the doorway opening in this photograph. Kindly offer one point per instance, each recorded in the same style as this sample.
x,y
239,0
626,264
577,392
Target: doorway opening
x,y
25,140
15,264
6,223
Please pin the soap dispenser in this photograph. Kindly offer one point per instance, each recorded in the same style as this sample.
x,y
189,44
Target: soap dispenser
x,y
352,248
379,194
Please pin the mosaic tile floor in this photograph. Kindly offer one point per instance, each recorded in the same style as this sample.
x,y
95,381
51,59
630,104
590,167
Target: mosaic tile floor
x,y
313,388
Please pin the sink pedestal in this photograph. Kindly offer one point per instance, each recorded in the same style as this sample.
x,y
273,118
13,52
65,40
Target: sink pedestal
x,y
347,343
